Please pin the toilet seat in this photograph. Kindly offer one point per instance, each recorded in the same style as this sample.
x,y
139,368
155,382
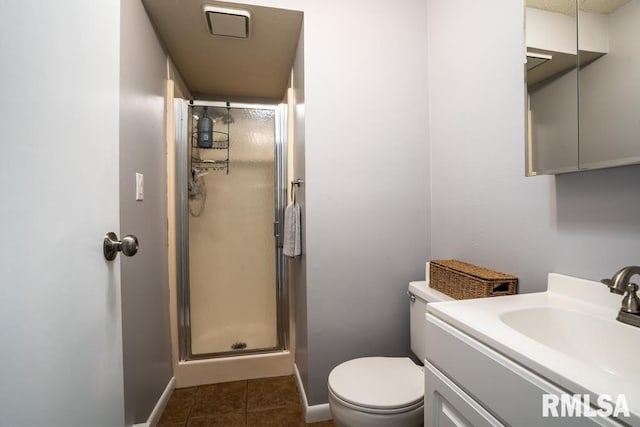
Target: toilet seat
x,y
374,411
378,385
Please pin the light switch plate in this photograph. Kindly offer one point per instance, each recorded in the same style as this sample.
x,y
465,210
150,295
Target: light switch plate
x,y
139,186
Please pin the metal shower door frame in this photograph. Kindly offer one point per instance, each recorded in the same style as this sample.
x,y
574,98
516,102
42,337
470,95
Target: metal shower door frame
x,y
181,115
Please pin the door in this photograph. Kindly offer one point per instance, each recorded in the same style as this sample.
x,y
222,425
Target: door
x,y
446,405
60,307
234,298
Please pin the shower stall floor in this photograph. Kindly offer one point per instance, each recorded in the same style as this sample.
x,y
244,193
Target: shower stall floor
x,y
233,338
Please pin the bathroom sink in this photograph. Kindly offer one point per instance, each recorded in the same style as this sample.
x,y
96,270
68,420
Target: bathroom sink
x,y
568,335
591,339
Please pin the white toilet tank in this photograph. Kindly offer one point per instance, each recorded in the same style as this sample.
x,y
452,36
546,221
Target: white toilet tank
x,y
420,294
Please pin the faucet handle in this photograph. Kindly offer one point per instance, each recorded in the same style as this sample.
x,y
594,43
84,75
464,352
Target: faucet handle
x,y
631,302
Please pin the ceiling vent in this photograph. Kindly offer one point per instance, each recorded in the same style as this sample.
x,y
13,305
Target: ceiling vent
x,y
227,22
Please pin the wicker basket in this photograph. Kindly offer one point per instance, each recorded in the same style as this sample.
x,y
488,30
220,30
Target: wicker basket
x,y
464,281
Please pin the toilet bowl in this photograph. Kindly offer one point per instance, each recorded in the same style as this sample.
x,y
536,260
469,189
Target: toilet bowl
x,y
385,391
377,391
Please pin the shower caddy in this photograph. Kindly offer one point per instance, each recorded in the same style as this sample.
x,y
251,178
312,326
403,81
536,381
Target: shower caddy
x,y
220,142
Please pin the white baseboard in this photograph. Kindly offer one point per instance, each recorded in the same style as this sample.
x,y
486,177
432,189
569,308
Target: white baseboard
x,y
315,413
160,405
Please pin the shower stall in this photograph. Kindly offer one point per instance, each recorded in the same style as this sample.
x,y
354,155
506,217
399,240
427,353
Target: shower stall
x,y
230,195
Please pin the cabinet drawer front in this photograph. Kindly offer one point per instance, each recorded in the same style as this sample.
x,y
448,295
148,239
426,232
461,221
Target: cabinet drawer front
x,y
446,405
510,392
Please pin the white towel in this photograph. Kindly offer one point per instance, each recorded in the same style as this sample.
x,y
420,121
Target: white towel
x,y
291,238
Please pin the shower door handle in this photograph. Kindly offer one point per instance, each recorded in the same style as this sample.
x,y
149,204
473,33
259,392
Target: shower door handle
x,y
277,234
111,245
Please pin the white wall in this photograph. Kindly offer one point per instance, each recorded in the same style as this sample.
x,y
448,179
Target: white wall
x,y
366,176
483,209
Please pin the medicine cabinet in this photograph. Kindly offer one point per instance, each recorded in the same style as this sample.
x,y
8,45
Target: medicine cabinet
x,y
582,85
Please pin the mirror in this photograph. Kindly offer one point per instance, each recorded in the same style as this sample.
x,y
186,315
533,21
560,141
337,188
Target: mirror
x,y
583,92
609,90
552,87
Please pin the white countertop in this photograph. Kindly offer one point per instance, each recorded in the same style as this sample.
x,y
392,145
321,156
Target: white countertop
x,y
481,319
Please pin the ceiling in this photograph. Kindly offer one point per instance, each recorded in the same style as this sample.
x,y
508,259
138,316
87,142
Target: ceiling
x,y
568,7
226,68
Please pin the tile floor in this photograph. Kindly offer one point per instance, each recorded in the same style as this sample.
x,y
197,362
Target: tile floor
x,y
261,402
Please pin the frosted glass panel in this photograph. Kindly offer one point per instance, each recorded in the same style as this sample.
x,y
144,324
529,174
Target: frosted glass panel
x,y
232,257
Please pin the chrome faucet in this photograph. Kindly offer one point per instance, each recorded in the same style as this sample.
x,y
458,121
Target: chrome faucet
x,y
620,284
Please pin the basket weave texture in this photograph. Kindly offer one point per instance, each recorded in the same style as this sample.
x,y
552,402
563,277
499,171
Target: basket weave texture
x,y
461,280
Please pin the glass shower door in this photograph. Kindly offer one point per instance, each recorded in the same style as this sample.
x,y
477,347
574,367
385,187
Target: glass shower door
x,y
233,295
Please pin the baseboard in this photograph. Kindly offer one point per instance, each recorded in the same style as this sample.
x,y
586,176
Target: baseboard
x,y
314,413
317,413
160,405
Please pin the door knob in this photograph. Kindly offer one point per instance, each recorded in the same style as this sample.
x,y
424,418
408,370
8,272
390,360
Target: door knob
x,y
111,245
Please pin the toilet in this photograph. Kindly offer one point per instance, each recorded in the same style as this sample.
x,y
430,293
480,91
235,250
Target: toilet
x,y
385,391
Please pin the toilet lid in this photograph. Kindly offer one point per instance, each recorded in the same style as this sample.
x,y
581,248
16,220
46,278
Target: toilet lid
x,y
378,382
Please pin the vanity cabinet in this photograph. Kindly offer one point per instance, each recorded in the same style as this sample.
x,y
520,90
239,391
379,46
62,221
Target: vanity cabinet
x,y
449,405
469,384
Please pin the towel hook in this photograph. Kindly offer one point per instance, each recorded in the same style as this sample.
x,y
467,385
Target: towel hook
x,y
295,183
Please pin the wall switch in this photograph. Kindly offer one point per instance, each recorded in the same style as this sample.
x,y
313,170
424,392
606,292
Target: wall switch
x,y
139,186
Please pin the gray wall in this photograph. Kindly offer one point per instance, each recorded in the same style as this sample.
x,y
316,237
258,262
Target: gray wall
x,y
366,178
300,264
368,171
145,290
483,209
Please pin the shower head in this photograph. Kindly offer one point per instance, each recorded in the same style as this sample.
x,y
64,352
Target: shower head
x,y
225,117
